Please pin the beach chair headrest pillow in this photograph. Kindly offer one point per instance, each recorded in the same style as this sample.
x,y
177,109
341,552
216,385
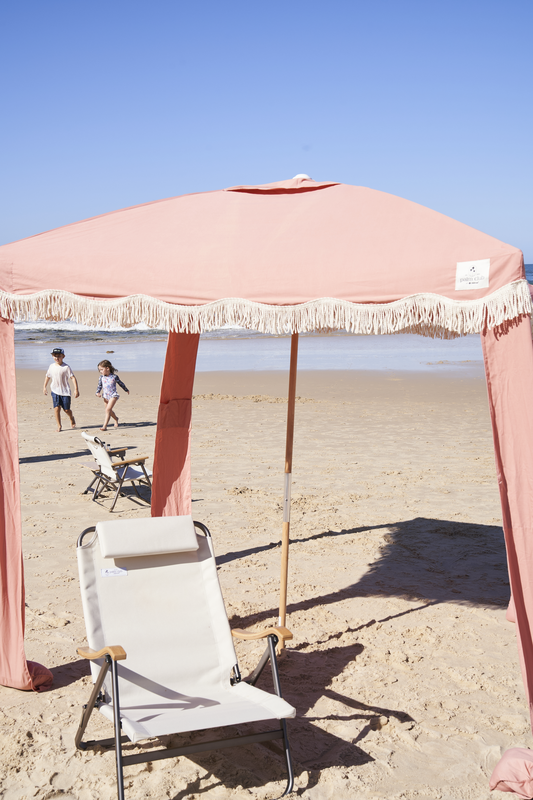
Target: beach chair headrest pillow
x,y
155,536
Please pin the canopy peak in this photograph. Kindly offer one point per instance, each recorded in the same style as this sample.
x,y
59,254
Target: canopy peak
x,y
300,183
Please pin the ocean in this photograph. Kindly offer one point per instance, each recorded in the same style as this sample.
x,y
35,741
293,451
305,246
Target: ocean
x,y
142,349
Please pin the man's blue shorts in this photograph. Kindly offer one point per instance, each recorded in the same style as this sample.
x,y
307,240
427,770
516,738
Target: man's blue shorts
x,y
61,401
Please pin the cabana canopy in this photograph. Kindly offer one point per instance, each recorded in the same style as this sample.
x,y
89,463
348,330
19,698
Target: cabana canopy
x,y
293,256
287,257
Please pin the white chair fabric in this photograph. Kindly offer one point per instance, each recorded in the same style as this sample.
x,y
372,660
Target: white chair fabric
x,y
166,610
102,457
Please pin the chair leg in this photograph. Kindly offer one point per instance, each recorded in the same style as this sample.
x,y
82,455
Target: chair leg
x,y
100,486
136,490
119,487
256,674
147,476
116,718
272,642
91,484
288,759
88,709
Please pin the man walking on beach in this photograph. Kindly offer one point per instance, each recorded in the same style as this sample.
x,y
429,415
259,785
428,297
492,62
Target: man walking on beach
x,y
60,374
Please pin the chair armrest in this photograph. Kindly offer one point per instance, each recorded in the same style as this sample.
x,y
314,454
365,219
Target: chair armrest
x,y
281,633
116,652
138,460
117,451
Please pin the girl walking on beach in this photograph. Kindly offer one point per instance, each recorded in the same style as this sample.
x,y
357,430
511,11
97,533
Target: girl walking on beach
x,y
107,389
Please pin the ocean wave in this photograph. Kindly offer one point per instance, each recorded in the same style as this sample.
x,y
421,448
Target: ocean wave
x,y
44,332
68,325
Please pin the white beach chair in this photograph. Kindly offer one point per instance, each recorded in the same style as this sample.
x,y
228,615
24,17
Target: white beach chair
x,y
150,590
109,474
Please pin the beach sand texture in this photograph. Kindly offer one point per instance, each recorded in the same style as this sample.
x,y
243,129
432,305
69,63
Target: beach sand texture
x,y
403,670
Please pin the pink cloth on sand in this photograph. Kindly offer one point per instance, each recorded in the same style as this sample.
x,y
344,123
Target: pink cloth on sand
x,y
514,773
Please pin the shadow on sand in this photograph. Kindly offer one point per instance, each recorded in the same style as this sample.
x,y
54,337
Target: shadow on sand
x,y
421,559
52,457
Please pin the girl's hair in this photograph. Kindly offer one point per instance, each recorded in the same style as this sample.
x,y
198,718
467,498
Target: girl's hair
x,y
106,363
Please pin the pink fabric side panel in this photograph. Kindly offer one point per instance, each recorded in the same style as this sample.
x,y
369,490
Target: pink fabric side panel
x,y
171,490
13,668
509,370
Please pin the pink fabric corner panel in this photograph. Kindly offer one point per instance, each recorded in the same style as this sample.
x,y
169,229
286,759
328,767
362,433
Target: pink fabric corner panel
x,y
171,490
508,359
13,667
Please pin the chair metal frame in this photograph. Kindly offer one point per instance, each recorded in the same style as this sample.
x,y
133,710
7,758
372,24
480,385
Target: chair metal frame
x,y
115,653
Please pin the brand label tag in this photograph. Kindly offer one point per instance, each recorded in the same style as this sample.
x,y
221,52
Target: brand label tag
x,y
113,572
472,275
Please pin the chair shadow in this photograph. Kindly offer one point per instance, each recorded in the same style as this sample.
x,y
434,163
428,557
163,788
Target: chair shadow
x,y
304,676
127,493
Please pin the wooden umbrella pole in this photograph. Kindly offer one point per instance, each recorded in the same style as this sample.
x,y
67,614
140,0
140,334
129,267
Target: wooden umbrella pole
x,y
287,487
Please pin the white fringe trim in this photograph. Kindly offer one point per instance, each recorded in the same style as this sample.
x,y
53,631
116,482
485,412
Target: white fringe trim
x,y
426,314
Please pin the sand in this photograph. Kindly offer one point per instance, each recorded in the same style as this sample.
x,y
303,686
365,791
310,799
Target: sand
x,y
403,670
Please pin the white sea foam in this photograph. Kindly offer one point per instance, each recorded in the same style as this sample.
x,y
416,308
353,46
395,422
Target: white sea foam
x,y
68,325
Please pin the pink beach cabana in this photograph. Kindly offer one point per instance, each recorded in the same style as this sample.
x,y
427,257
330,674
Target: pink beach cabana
x,y
287,257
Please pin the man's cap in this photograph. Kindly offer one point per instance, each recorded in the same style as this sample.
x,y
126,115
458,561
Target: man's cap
x,y
58,351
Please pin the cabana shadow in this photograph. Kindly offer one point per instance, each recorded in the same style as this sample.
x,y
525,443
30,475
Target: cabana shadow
x,y
440,560
421,559
52,457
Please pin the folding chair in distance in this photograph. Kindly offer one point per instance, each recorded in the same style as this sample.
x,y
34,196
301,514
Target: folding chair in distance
x,y
109,474
155,615
116,452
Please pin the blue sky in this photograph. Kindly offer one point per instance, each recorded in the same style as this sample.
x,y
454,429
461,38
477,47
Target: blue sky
x,y
109,104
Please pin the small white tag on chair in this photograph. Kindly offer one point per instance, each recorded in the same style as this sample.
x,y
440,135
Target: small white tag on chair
x,y
472,275
113,572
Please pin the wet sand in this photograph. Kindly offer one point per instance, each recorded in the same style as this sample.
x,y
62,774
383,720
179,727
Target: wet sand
x,y
403,670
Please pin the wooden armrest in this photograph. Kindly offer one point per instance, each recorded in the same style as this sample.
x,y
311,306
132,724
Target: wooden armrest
x,y
118,450
137,460
116,652
281,633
